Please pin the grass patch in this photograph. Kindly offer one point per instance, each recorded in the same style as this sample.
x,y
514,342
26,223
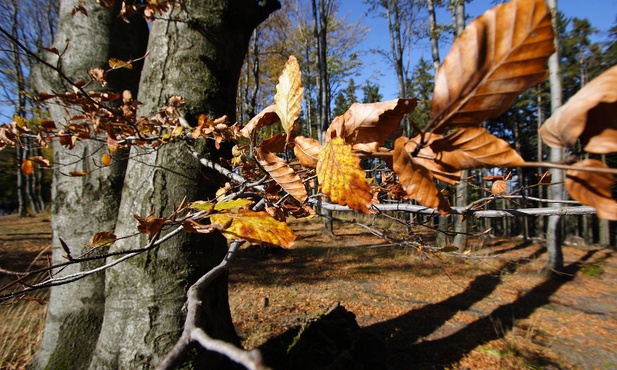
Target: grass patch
x,y
593,270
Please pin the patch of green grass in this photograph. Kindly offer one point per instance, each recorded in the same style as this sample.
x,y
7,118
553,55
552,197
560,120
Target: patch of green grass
x,y
592,270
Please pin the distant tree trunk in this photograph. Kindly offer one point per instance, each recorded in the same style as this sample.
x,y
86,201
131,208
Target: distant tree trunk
x,y
462,189
200,59
320,29
604,233
434,35
553,231
81,206
540,151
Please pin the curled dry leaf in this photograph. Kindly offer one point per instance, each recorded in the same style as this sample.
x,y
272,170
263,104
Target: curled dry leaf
x,y
341,177
78,173
367,126
40,160
593,188
289,94
417,180
474,147
499,187
499,55
591,115
255,227
101,239
307,151
150,225
545,178
275,144
426,158
265,118
284,175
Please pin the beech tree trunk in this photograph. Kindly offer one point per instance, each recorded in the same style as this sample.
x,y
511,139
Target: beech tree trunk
x,y
553,230
198,57
82,206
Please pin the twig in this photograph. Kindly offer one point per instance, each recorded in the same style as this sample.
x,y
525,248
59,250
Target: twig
x,y
193,333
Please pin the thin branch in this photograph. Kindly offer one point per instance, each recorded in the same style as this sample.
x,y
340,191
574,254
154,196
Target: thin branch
x,y
412,208
192,332
569,167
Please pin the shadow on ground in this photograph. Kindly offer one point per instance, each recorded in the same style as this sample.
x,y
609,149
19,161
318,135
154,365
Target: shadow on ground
x,y
403,335
420,338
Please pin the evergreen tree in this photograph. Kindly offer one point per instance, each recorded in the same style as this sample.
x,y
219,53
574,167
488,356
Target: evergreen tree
x,y
371,93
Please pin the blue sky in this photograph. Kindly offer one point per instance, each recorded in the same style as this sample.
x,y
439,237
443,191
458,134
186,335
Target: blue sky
x,y
601,14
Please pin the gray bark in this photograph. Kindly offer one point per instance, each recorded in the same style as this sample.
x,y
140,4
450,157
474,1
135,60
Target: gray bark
x,y
553,230
462,189
434,35
200,58
82,206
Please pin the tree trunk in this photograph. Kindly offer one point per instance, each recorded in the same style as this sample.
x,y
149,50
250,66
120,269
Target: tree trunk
x,y
553,231
462,189
82,206
199,59
434,35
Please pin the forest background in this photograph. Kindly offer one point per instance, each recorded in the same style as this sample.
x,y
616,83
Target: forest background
x,y
361,64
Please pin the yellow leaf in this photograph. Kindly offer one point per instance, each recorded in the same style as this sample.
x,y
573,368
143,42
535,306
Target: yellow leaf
x,y
284,175
117,63
341,177
27,167
499,55
593,188
417,180
289,94
78,173
104,238
105,159
201,205
255,227
233,204
19,121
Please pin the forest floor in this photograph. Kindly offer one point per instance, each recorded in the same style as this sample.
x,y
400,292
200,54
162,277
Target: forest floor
x,y
491,310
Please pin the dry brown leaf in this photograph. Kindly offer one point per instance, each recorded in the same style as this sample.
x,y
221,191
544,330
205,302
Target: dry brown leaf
x,y
284,175
593,188
417,180
265,118
499,55
474,147
275,144
255,227
150,225
40,160
78,173
545,178
591,115
307,151
289,94
104,238
341,177
367,126
425,157
499,187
